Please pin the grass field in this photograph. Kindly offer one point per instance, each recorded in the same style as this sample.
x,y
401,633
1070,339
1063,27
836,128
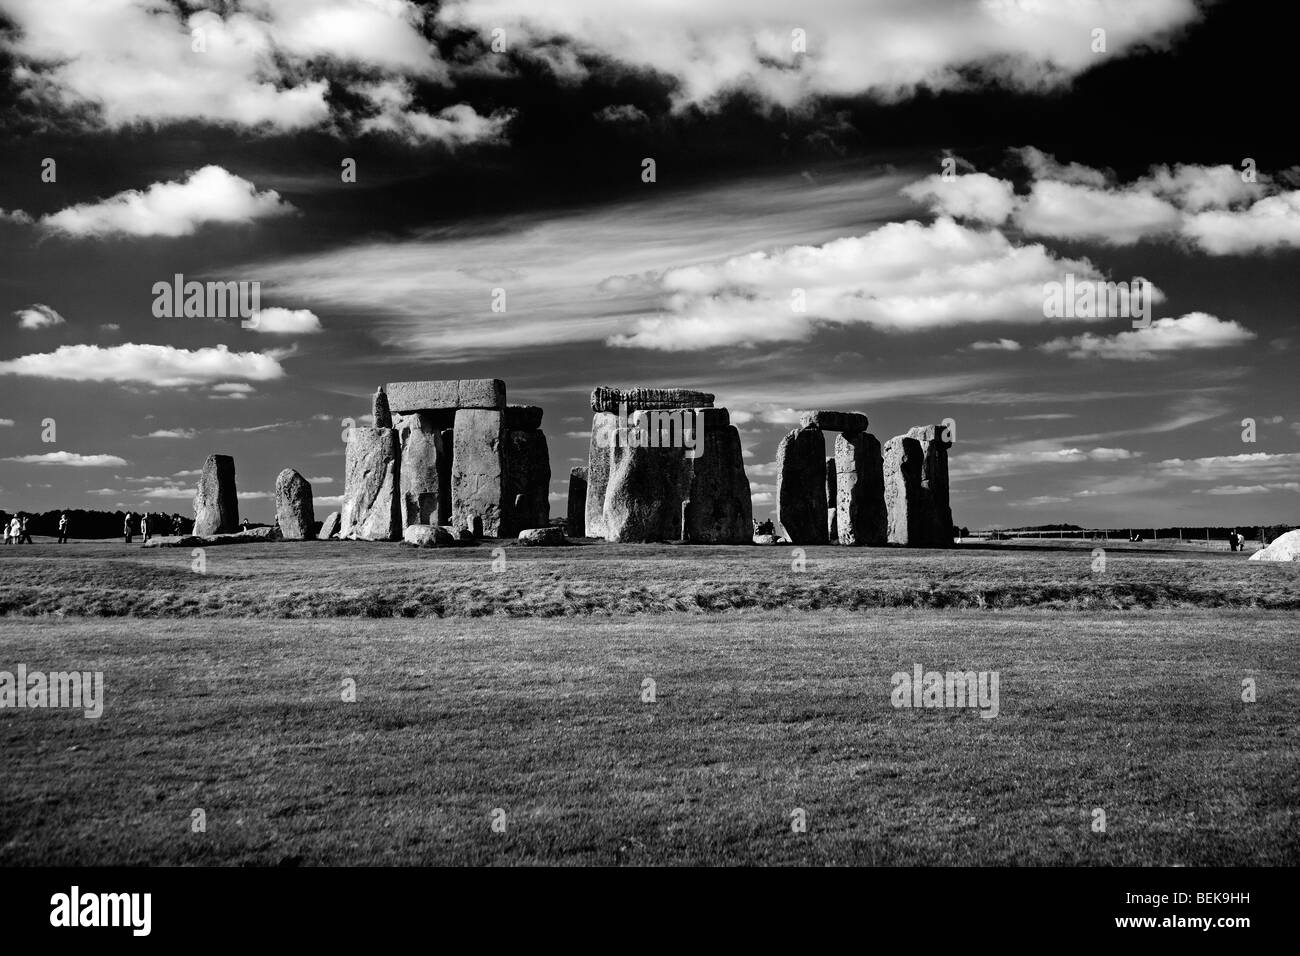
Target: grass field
x,y
757,713
521,690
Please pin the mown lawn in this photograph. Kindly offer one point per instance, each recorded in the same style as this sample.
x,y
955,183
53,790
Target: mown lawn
x,y
757,713
357,579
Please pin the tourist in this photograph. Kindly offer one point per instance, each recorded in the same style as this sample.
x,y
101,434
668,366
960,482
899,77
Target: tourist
x,y
63,528
144,526
126,528
1232,540
11,530
23,533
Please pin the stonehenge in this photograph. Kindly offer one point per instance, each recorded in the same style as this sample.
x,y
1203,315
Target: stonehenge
x,y
446,462
446,453
665,465
865,495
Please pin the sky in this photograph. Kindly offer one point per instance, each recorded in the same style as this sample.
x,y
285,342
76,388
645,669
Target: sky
x,y
852,204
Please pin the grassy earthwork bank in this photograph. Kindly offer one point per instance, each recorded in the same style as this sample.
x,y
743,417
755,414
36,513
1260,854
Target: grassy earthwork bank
x,y
329,579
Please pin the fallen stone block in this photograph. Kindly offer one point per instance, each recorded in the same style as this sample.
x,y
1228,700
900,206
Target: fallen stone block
x,y
250,536
549,537
428,536
330,526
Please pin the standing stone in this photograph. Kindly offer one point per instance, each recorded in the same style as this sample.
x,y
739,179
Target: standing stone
x,y
643,499
216,503
832,524
528,480
379,409
911,512
576,526
478,469
801,486
718,508
426,461
293,506
371,509
330,527
934,477
600,457
860,514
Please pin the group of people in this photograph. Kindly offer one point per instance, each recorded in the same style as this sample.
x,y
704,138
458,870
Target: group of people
x,y
16,531
1236,542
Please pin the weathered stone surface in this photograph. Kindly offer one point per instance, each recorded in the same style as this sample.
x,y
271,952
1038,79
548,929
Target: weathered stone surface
x,y
371,509
294,513
860,514
600,457
478,472
934,478
379,409
408,397
251,536
428,536
576,525
719,509
801,486
765,539
547,537
523,418
330,526
850,423
605,398
1285,547
911,512
425,470
528,480
832,526
643,500
216,503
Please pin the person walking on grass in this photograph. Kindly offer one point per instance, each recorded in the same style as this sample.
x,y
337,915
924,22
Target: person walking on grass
x,y
126,528
11,533
144,526
63,528
23,533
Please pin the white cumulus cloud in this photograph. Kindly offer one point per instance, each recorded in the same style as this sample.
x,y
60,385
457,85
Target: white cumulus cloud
x,y
1196,330
161,365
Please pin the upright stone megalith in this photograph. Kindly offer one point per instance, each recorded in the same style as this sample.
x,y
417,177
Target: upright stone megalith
x,y
911,512
576,525
216,502
528,480
478,471
600,458
860,514
832,523
426,466
371,509
801,485
294,512
718,508
934,477
643,499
